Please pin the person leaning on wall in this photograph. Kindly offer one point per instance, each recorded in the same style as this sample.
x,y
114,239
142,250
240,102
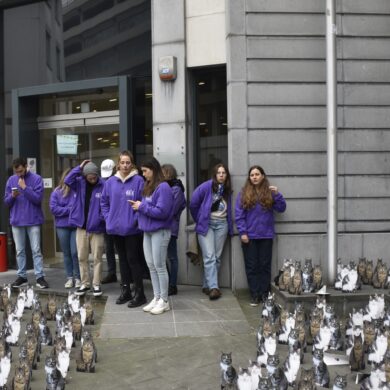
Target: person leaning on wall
x,y
210,208
254,211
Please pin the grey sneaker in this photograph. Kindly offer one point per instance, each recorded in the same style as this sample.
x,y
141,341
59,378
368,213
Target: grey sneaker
x,y
41,283
97,291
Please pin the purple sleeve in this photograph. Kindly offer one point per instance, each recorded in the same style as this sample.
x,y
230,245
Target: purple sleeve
x,y
279,203
240,216
8,199
105,201
161,206
35,193
55,208
72,176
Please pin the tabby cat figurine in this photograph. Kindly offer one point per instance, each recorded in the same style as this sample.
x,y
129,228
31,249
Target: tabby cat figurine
x,y
306,381
379,278
356,357
369,271
307,276
317,277
340,382
278,380
362,265
295,287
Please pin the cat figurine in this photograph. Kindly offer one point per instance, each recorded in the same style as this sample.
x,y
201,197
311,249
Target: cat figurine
x,y
285,331
340,382
54,380
295,287
369,333
314,326
266,346
5,296
350,282
376,380
320,369
76,325
369,272
270,309
51,307
377,351
255,370
356,356
88,355
244,379
278,380
322,339
89,313
317,277
29,297
44,332
362,265
19,381
306,380
307,276
284,279
291,366
5,368
386,365
379,278
301,328
264,383
335,342
228,373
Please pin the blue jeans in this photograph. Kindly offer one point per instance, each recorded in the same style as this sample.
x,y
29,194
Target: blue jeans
x,y
212,246
67,238
155,250
173,260
34,235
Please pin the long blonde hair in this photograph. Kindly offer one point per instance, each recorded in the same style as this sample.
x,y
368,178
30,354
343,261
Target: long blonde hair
x,y
65,189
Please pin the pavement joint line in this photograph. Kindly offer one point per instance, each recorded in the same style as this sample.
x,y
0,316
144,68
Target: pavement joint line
x,y
169,322
174,319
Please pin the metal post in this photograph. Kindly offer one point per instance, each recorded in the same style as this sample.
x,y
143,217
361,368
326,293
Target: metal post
x,y
331,103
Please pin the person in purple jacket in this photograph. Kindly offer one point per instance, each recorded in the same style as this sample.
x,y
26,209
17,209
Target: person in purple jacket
x,y
122,223
155,212
86,214
179,204
255,206
61,200
210,208
23,196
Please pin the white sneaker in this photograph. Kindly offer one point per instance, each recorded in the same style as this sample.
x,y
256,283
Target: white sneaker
x,y
77,283
69,283
150,305
160,307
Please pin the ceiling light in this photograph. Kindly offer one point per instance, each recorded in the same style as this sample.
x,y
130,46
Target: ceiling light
x,y
113,100
201,83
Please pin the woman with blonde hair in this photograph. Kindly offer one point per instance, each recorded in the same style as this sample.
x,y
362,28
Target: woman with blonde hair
x,y
255,206
61,201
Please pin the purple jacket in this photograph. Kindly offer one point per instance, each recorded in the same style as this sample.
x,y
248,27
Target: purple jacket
x,y
60,207
120,218
200,208
95,222
179,204
156,211
25,209
258,222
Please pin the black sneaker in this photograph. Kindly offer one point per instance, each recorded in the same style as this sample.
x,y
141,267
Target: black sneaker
x,y
255,301
41,283
82,290
97,291
19,282
172,290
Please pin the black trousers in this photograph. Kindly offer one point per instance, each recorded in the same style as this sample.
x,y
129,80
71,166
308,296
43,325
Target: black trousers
x,y
258,258
110,253
131,258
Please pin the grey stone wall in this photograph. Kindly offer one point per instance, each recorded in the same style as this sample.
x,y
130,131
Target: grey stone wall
x,y
276,74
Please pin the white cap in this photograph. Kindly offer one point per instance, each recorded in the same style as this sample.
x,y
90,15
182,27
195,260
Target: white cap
x,y
106,168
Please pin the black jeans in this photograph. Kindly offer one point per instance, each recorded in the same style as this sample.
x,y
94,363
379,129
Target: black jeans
x,y
110,253
258,258
131,258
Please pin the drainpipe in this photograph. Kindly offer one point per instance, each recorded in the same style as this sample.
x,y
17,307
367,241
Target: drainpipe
x,y
331,107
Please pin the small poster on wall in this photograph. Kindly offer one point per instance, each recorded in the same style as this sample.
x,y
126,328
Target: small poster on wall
x,y
32,164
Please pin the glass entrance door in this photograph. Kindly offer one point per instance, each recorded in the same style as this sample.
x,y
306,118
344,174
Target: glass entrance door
x,y
65,146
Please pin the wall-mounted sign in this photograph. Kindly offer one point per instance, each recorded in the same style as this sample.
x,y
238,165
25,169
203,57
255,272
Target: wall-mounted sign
x,y
67,144
167,68
47,182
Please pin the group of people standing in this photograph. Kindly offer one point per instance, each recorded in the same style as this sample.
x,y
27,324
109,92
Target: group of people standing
x,y
141,216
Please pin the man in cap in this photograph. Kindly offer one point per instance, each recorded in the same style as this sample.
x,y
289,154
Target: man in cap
x,y
107,169
23,195
86,215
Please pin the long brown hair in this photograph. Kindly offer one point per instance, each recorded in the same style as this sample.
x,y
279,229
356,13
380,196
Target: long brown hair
x,y
250,194
62,186
158,176
227,187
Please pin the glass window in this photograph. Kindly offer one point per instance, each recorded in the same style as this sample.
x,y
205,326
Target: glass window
x,y
210,121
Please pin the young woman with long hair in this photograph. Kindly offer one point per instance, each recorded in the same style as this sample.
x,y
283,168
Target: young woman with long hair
x,y
255,206
155,212
210,208
120,190
60,203
179,204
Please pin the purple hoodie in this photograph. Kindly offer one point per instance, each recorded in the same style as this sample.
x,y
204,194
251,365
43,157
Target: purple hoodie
x,y
200,208
179,204
77,182
25,209
120,218
60,207
156,210
258,222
